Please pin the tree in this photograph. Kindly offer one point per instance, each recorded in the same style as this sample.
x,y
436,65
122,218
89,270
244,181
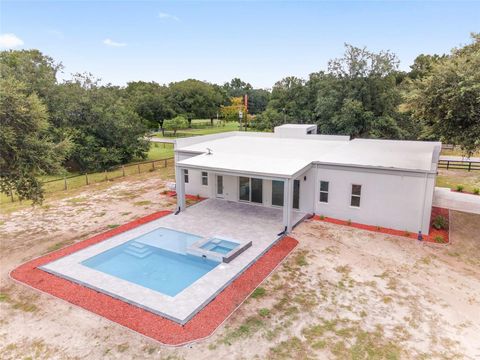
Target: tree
x,y
195,99
26,150
231,112
177,123
447,100
289,96
150,101
37,72
105,131
268,119
257,98
423,65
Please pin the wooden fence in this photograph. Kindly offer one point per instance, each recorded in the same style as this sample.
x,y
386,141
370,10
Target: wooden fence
x,y
459,165
74,181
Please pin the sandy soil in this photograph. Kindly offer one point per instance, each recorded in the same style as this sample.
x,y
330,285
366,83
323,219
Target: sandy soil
x,y
343,293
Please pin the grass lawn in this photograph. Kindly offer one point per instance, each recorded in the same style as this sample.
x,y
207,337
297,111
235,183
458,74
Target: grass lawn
x,y
156,152
202,127
159,151
452,178
457,152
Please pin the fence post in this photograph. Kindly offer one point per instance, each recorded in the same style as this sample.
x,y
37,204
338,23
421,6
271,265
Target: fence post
x,y
448,164
469,166
123,170
153,165
138,167
64,183
165,163
86,178
11,195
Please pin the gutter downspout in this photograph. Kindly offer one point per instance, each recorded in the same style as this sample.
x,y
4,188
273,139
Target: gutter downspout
x,y
423,202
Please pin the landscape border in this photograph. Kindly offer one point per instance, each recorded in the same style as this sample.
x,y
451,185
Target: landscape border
x,y
151,325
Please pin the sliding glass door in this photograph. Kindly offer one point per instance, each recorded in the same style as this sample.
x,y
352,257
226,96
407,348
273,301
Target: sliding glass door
x,y
244,188
250,189
257,190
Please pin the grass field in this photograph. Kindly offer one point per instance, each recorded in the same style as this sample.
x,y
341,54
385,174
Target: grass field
x,y
457,152
452,178
202,127
73,181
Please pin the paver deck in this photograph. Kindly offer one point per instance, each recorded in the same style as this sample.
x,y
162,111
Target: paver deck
x,y
209,218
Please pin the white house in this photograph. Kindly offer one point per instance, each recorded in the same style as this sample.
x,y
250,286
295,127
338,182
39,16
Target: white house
x,y
385,183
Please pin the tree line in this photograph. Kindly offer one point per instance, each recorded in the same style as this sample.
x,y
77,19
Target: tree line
x,y
83,125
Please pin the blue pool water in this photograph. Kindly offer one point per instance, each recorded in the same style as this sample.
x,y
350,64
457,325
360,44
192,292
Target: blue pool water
x,y
156,260
222,247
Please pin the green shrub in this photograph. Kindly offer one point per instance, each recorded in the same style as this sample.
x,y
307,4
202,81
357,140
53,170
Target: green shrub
x,y
439,239
476,191
349,222
459,188
322,217
440,222
407,233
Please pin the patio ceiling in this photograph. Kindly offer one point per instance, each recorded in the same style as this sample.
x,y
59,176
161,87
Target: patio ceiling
x,y
247,164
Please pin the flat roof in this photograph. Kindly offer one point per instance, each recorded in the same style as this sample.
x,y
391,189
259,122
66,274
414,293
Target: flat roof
x,y
296,126
271,155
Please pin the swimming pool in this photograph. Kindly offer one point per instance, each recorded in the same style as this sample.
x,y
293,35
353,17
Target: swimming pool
x,y
156,260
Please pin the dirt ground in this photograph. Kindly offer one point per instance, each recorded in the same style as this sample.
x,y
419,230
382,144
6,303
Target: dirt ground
x,y
343,293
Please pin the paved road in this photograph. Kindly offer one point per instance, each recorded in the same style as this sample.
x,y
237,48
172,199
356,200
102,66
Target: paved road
x,y
445,198
459,158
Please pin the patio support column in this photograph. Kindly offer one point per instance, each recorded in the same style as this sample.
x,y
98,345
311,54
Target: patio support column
x,y
180,188
287,203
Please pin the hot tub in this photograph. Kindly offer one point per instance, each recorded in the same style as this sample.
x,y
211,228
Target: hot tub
x,y
218,249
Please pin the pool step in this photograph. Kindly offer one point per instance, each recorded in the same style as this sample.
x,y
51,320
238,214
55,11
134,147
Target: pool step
x,y
138,250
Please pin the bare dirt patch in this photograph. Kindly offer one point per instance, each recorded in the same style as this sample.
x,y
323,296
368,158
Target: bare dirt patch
x,y
343,293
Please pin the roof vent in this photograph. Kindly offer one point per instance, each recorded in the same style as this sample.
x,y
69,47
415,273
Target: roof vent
x,y
209,151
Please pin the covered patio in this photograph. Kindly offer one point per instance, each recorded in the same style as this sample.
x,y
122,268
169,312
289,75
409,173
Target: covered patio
x,y
252,170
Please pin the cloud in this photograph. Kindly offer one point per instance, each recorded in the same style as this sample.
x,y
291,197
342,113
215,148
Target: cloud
x,y
167,16
110,42
10,41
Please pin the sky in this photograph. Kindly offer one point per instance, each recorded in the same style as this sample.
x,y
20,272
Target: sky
x,y
260,42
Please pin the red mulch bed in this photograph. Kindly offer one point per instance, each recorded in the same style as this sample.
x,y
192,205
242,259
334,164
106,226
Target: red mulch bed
x,y
433,233
187,196
140,320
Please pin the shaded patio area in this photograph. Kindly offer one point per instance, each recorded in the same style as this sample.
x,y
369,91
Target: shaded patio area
x,y
235,220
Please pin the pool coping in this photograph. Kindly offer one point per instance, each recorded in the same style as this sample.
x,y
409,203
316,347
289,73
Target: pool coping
x,y
200,325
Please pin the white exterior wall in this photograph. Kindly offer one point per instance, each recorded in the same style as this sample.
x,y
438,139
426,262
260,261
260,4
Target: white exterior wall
x,y
392,200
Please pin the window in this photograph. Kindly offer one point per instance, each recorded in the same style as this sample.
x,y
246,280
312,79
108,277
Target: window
x,y
204,178
296,194
277,193
356,193
324,191
185,176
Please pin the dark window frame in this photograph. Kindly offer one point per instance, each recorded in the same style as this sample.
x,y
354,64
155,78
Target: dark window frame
x,y
356,195
204,178
324,191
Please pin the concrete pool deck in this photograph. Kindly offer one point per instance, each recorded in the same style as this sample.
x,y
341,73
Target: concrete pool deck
x,y
209,218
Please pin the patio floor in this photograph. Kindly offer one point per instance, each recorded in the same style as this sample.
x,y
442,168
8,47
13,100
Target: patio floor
x,y
209,218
